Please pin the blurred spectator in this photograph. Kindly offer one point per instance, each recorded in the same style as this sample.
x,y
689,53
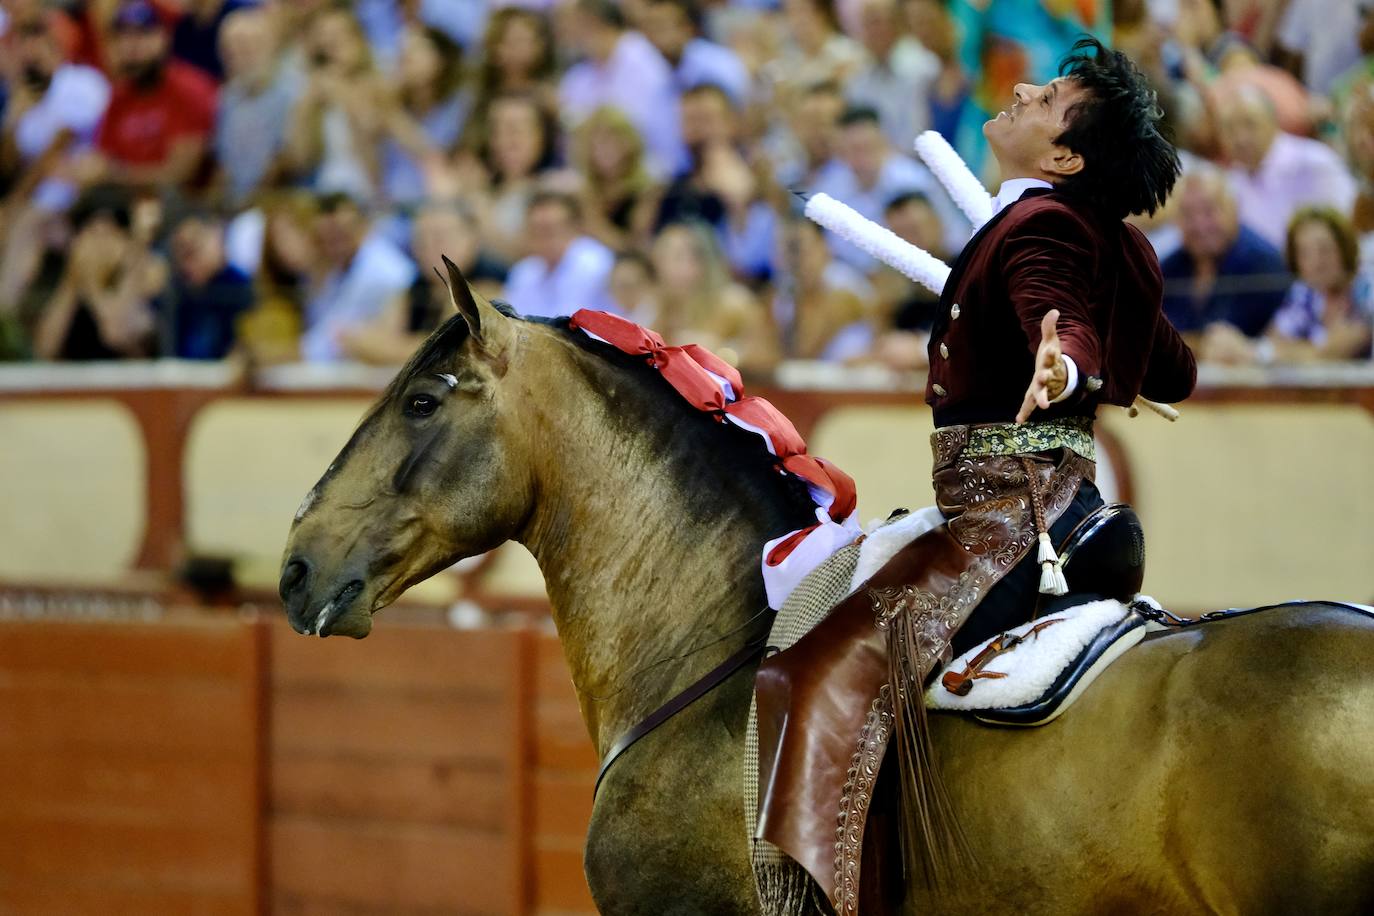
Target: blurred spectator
x,y
1274,173
520,150
1329,312
1224,271
385,22
820,312
195,37
364,274
623,69
699,303
617,200
50,119
255,104
674,28
565,270
53,111
86,28
206,295
517,57
1240,66
907,308
281,265
819,50
103,307
869,173
433,109
719,187
932,25
439,229
1361,72
1317,40
1359,143
339,122
815,128
897,81
162,111
633,288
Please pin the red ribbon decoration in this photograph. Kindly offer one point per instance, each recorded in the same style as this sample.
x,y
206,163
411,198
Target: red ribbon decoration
x,y
689,370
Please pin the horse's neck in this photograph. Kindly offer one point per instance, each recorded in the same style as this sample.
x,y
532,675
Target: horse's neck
x,y
638,571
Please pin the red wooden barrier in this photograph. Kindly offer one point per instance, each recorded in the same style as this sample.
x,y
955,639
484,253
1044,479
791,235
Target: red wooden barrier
x,y
130,755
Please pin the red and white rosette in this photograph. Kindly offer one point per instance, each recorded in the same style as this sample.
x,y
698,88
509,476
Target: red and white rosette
x,y
713,386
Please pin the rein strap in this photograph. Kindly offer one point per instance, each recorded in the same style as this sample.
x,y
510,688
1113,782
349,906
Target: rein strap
x,y
708,682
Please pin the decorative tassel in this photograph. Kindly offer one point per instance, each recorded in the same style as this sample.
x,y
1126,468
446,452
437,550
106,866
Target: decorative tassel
x,y
1047,583
963,186
1061,585
1052,581
1047,554
878,241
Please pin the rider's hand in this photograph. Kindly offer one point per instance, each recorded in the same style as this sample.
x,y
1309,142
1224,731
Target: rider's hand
x,y
1051,373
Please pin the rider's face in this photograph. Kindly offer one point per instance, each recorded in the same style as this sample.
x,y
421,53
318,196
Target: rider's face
x,y
1023,136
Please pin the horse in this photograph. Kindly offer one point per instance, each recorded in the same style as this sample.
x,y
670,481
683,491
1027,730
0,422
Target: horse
x,y
1227,768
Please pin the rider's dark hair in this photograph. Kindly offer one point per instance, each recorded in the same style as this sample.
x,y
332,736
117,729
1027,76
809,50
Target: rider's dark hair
x,y
1129,166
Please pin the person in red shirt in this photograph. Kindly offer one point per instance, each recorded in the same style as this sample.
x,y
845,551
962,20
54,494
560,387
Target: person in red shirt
x,y
161,112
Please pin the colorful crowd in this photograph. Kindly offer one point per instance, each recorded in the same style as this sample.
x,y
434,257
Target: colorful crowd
x,y
275,181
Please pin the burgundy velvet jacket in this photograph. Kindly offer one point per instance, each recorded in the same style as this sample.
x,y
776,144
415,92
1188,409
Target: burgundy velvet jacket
x,y
1042,252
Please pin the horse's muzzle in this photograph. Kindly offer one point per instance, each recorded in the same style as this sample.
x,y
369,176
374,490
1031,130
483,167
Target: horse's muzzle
x,y
338,614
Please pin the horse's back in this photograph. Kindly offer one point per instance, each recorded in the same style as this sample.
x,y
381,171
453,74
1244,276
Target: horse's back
x,y
1227,767
1269,718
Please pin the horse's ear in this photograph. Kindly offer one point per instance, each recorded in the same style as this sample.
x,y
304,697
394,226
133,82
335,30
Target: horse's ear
x,y
481,318
463,299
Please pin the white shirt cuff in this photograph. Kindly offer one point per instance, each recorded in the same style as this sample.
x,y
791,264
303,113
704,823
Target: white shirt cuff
x,y
1070,383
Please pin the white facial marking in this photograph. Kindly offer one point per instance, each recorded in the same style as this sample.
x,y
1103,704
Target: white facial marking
x,y
306,504
322,617
450,380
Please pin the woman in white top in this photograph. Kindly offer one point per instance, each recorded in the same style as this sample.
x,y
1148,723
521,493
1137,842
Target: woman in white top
x,y
344,113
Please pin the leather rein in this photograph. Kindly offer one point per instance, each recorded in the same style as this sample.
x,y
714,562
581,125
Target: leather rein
x,y
752,648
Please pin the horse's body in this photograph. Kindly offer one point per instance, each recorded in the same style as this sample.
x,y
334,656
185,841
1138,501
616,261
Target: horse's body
x,y
1224,769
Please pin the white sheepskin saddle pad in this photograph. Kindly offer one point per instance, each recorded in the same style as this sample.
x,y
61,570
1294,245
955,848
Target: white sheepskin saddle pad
x,y
1038,678
1042,676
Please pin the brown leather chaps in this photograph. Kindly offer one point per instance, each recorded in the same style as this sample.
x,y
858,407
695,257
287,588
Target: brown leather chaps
x,y
824,705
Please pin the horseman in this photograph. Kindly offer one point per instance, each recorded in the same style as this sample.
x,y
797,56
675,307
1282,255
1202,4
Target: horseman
x,y
1056,288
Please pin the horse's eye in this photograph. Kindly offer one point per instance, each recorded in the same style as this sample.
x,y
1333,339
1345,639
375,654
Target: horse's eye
x,y
422,405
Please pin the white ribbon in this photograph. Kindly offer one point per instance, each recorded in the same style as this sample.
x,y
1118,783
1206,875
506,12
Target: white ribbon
x,y
879,241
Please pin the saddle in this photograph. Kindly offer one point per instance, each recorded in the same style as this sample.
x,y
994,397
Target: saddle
x,y
1044,665
1104,556
1105,553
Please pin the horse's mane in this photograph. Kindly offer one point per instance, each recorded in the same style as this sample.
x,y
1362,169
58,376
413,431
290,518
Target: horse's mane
x,y
743,450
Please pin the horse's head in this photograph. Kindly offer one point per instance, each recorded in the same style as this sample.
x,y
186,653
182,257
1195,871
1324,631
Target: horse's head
x,y
436,472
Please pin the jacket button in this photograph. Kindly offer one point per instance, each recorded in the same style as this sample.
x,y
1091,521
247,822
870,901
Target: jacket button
x,y
939,390
944,350
954,310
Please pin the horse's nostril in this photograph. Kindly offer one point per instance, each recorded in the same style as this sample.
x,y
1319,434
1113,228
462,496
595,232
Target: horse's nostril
x,y
292,576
